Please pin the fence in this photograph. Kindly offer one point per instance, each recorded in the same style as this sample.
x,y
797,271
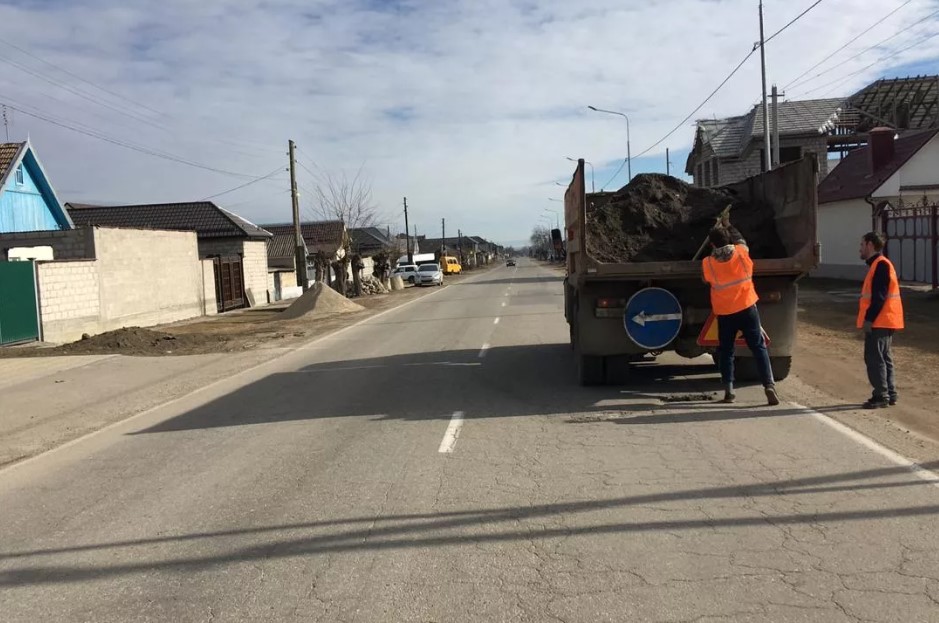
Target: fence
x,y
912,234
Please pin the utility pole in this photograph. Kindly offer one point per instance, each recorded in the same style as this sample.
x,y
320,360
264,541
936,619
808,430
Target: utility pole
x,y
668,163
407,233
767,156
459,245
299,249
776,95
443,239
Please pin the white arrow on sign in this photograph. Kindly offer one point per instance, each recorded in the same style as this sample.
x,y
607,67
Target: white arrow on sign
x,y
641,319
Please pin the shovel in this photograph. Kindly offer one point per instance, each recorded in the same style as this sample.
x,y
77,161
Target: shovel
x,y
704,244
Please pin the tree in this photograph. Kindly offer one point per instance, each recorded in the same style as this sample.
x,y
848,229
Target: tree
x,y
341,198
541,242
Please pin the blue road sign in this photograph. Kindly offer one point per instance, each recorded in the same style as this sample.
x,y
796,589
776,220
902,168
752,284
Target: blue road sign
x,y
653,318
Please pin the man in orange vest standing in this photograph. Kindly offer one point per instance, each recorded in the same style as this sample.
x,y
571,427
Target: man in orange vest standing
x,y
879,316
729,271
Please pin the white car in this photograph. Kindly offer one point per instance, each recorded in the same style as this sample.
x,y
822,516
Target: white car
x,y
407,272
429,275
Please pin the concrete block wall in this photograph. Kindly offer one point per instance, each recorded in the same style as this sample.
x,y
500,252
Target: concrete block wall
x,y
70,244
255,271
147,277
69,300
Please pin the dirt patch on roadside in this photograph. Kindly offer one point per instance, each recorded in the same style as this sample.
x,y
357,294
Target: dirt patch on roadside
x,y
658,218
319,300
830,352
232,332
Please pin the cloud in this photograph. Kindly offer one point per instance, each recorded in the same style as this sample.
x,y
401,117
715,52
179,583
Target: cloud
x,y
466,107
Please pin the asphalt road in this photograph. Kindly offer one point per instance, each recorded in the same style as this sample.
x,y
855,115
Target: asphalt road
x,y
439,463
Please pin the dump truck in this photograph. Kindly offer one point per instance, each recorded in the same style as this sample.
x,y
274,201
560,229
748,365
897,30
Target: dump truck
x,y
623,312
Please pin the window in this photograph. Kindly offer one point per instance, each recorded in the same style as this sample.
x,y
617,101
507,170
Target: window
x,y
699,178
707,174
18,175
715,173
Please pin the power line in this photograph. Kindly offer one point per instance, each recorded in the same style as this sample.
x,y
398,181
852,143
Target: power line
x,y
791,22
77,77
689,116
862,52
75,127
869,28
714,92
831,86
254,181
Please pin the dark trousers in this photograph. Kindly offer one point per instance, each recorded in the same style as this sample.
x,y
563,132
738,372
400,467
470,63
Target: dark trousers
x,y
879,360
748,323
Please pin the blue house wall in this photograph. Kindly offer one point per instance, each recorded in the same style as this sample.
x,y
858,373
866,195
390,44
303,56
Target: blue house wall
x,y
30,206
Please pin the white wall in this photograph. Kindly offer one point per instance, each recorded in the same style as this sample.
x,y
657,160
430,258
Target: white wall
x,y
921,169
147,277
840,227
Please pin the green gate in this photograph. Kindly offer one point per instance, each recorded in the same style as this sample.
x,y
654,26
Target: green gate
x,y
19,318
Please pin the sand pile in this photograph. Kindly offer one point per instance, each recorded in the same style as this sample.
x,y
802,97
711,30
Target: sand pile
x,y
657,218
319,300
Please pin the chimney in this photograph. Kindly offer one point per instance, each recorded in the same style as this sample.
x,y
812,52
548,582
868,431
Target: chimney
x,y
881,147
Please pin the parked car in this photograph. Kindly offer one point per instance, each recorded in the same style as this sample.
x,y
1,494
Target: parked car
x,y
408,273
429,275
510,261
450,265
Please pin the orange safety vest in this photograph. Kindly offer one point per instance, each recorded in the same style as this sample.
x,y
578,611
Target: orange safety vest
x,y
891,316
731,282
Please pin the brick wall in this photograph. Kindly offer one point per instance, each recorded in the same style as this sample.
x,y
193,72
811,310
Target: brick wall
x,y
70,244
737,169
254,262
69,302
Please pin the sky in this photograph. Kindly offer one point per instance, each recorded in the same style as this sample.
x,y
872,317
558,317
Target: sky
x,y
466,107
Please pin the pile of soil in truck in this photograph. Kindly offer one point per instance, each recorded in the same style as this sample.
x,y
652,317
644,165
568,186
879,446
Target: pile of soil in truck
x,y
658,218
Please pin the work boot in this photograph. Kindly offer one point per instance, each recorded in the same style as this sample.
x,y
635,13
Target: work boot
x,y
771,398
729,396
876,403
892,401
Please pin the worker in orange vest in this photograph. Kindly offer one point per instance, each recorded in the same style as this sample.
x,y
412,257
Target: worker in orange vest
x,y
880,314
729,271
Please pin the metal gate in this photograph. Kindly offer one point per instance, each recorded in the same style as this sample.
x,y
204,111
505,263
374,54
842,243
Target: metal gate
x,y
229,283
913,241
19,311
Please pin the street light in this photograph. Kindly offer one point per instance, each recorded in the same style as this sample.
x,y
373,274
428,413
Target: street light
x,y
593,187
629,163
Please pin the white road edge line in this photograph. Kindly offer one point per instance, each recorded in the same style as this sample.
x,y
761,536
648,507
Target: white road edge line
x,y
496,321
482,351
276,359
453,431
894,457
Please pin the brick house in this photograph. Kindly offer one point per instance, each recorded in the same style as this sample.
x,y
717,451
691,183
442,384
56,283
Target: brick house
x,y
730,150
238,246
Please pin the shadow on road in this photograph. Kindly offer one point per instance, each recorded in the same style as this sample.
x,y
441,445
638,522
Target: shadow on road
x,y
418,530
507,382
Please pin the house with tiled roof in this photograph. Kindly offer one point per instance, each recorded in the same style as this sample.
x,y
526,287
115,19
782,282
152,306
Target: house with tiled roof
x,y
238,245
891,171
730,150
27,199
326,237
